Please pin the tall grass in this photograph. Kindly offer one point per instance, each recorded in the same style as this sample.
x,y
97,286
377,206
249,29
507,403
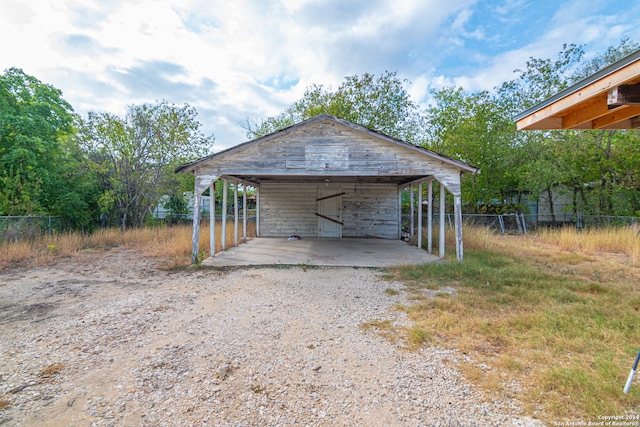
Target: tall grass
x,y
552,318
171,243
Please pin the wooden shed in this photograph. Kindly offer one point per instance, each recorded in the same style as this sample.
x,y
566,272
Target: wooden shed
x,y
327,177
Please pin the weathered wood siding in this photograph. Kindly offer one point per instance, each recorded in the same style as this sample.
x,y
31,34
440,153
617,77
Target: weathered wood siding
x,y
329,148
287,209
370,210
367,210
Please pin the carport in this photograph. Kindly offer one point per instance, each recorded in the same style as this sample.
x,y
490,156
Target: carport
x,y
327,178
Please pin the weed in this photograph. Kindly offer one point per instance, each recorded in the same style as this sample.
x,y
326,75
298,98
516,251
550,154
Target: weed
x,y
555,312
391,292
172,243
384,328
51,370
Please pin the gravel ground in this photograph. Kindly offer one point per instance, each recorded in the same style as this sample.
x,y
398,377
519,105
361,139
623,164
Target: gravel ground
x,y
108,339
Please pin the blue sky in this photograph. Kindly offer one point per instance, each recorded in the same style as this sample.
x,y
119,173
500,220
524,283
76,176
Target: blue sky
x,y
240,59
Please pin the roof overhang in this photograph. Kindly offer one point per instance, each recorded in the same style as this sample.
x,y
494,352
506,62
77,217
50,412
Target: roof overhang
x,y
608,99
399,180
418,151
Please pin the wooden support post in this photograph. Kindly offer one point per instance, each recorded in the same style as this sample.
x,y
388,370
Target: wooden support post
x,y
195,238
244,211
235,213
412,213
442,220
257,211
430,218
457,213
201,184
225,194
419,213
399,213
212,219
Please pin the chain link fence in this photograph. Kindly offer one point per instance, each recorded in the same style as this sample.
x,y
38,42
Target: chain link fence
x,y
13,228
523,223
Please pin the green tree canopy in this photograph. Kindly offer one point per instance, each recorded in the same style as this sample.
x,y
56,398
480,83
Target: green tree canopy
x,y
135,155
41,169
382,104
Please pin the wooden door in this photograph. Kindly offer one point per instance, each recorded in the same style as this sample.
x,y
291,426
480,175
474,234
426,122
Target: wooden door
x,y
329,212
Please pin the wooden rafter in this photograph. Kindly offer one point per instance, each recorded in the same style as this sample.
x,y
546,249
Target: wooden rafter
x,y
608,99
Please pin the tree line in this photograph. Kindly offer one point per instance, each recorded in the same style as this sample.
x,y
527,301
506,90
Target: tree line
x,y
599,171
103,166
116,167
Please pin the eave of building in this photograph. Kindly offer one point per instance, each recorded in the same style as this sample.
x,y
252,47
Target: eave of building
x,y
202,163
587,104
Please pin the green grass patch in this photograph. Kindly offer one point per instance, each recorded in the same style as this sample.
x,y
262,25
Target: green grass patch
x,y
567,335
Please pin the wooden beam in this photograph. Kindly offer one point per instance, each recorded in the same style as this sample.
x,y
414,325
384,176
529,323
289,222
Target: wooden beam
x,y
617,115
623,95
592,109
331,196
558,108
330,219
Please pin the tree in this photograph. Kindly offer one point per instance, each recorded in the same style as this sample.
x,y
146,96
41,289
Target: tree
x,y
42,170
590,164
474,128
135,155
382,104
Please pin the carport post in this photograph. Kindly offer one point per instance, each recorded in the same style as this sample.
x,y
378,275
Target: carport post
x,y
225,193
419,214
195,238
457,213
430,218
441,221
235,213
257,211
212,218
244,211
412,212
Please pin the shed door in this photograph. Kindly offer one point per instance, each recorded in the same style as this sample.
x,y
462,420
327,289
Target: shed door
x,y
329,218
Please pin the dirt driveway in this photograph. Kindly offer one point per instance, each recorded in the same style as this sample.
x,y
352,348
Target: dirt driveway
x,y
108,339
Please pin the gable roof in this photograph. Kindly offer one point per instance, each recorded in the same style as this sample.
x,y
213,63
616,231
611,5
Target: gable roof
x,y
463,167
586,104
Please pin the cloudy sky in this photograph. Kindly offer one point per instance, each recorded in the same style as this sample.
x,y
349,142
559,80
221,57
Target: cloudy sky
x,y
238,59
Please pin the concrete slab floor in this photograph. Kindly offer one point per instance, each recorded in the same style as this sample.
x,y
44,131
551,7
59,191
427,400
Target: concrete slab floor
x,y
345,252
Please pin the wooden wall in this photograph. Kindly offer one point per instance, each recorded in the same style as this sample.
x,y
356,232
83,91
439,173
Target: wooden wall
x,y
367,210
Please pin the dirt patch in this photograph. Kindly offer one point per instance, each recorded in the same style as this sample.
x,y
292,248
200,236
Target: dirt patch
x,y
110,339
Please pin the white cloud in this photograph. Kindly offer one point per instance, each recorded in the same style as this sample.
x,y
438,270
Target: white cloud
x,y
251,58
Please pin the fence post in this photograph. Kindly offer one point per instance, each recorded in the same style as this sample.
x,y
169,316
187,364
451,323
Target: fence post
x,y
49,226
518,223
524,223
501,222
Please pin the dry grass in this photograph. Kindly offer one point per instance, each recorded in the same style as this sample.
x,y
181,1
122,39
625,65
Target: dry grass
x,y
171,243
551,318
